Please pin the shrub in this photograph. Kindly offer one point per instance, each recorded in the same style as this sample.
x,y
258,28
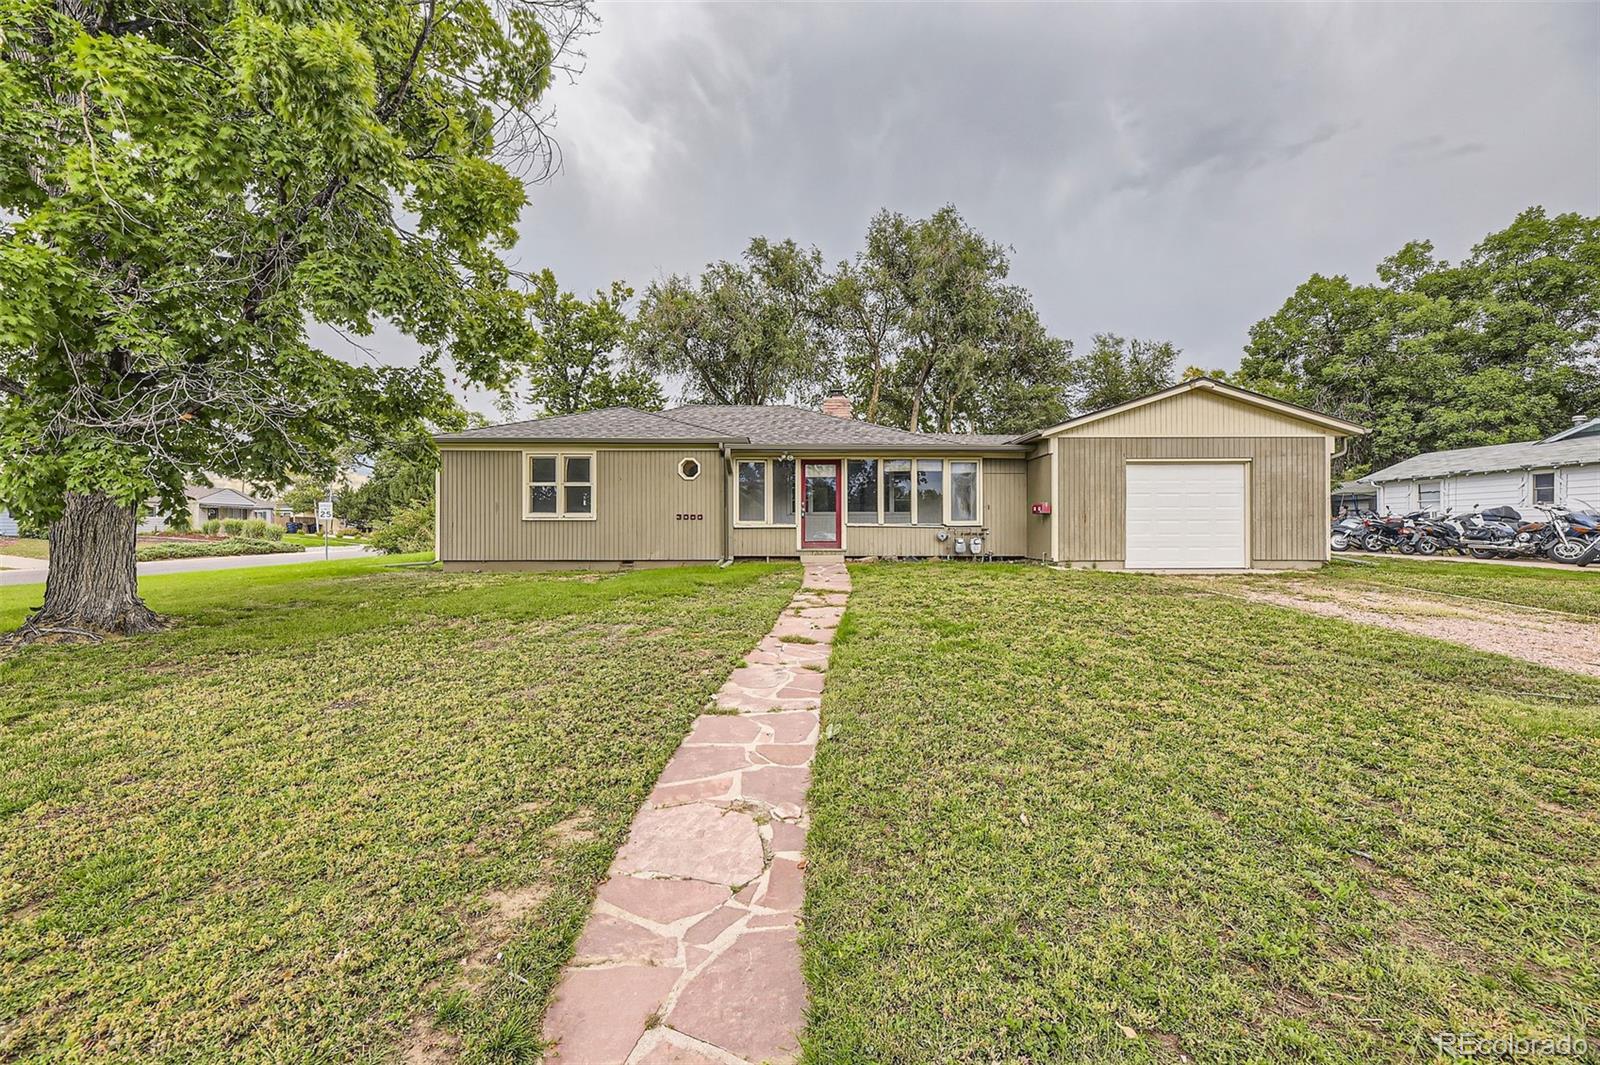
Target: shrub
x,y
218,549
272,532
212,527
233,526
409,529
255,529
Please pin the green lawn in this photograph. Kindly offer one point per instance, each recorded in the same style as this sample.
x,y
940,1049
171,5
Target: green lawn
x,y
25,548
275,832
1568,589
1096,816
315,540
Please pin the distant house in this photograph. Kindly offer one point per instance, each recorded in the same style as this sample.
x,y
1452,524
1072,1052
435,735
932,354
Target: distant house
x,y
1355,496
1561,468
8,525
208,504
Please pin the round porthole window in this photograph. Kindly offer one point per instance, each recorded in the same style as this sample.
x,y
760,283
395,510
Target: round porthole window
x,y
689,469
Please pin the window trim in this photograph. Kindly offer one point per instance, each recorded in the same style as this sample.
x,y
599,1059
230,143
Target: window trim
x,y
560,455
944,461
699,468
768,481
1533,487
1438,490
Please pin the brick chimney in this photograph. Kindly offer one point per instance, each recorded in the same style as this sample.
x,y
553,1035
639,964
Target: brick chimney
x,y
838,405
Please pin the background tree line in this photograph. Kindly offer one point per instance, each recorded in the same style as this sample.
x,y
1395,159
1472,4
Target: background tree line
x,y
922,328
924,331
1499,348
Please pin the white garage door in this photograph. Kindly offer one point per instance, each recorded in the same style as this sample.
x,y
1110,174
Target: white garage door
x,y
1186,515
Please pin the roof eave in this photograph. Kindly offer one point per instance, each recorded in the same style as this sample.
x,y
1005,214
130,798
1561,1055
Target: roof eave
x,y
1197,384
447,439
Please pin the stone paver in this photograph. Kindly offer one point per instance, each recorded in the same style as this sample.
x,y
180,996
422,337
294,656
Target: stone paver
x,y
691,951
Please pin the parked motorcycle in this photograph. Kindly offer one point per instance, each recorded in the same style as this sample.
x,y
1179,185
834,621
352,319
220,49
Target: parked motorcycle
x,y
1433,534
1574,530
1381,533
1346,532
1498,532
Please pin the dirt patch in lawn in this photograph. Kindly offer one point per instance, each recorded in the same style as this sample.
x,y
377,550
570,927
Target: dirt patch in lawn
x,y
1545,638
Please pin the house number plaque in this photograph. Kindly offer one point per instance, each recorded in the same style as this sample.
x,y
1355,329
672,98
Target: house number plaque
x,y
691,517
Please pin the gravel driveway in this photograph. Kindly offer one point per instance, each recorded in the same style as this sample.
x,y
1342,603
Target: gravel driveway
x,y
1546,638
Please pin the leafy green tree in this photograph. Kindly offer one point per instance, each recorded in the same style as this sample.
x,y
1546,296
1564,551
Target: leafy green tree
x,y
302,498
1115,370
402,476
184,187
932,335
572,368
744,332
1500,348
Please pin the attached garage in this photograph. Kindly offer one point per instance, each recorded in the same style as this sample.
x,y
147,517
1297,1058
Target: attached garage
x,y
1201,476
1187,515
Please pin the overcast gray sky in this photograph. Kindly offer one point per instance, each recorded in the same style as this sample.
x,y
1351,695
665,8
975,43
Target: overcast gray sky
x,y
1161,171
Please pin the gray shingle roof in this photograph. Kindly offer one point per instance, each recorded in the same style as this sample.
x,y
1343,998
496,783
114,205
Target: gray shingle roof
x,y
1494,458
771,426
220,497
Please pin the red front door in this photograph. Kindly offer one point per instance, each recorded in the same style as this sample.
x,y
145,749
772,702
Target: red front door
x,y
821,517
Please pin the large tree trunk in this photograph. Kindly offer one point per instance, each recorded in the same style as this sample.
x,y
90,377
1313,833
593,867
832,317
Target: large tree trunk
x,y
92,587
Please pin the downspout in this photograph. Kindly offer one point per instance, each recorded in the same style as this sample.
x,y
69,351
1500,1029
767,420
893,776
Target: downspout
x,y
727,506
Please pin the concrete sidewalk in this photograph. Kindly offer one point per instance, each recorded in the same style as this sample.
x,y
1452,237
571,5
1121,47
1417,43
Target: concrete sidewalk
x,y
34,571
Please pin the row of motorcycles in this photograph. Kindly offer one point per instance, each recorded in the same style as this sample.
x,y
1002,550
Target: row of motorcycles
x,y
1570,533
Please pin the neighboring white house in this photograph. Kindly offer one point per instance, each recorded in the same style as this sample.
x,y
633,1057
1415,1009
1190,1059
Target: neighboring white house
x,y
8,526
206,503
1564,468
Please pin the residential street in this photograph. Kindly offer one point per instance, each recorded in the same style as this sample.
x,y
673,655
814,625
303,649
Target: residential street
x,y
14,570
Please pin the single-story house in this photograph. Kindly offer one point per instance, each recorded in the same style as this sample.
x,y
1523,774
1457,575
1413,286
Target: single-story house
x,y
1562,468
207,503
1201,475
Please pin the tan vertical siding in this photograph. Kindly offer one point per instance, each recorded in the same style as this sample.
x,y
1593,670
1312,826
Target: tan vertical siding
x,y
1005,506
638,497
765,543
1038,542
1199,413
1288,490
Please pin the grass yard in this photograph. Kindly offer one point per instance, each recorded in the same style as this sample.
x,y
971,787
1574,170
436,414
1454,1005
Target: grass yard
x,y
1098,816
1568,589
276,832
25,548
315,540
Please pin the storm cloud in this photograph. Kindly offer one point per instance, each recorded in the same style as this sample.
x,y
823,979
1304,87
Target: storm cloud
x,y
1159,171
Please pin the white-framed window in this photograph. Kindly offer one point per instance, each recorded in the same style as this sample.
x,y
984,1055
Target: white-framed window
x,y
914,491
689,469
1544,488
766,492
558,485
1428,493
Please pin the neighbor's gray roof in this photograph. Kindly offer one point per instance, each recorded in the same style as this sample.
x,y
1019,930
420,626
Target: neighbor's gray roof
x,y
220,497
1582,427
770,426
1355,488
1494,458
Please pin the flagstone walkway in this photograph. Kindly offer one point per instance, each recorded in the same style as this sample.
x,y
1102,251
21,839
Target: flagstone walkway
x,y
690,954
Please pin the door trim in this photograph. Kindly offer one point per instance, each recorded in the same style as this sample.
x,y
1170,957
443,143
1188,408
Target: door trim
x,y
837,543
